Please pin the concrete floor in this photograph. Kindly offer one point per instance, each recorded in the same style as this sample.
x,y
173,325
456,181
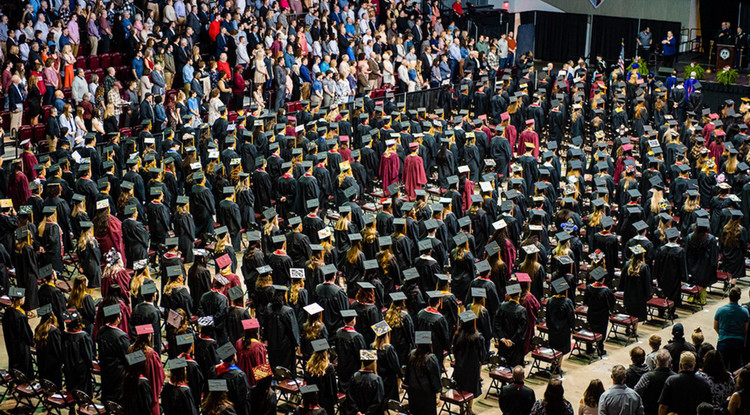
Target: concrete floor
x,y
576,372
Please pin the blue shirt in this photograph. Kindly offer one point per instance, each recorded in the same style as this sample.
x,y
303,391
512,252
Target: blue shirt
x,y
187,73
732,318
670,48
304,74
137,66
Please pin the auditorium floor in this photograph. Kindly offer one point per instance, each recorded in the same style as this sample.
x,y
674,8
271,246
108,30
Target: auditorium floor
x,y
576,372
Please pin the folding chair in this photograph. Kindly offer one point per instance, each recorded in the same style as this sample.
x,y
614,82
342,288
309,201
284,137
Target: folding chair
x,y
451,397
499,376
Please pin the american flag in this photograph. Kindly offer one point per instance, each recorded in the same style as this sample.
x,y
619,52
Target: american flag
x,y
621,59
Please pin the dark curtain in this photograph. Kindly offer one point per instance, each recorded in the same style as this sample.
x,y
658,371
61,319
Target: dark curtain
x,y
712,13
560,36
607,34
659,30
527,17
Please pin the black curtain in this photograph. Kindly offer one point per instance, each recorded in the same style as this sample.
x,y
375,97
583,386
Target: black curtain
x,y
607,34
527,17
712,13
659,30
560,36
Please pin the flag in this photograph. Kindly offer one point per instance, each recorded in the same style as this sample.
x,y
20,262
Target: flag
x,y
621,59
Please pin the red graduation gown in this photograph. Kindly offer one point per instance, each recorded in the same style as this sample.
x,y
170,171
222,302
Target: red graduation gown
x,y
532,306
253,356
121,278
414,175
29,161
124,318
389,170
155,375
511,134
18,189
528,136
113,239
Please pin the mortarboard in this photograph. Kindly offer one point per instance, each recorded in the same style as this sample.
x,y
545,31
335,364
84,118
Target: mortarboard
x,y
135,358
225,351
250,324
397,296
607,222
348,314
381,328
235,293
410,274
144,329
467,316
560,285
368,355
423,337
385,241
184,339
598,273
148,288
482,267
224,261
320,345
217,385
111,310
513,289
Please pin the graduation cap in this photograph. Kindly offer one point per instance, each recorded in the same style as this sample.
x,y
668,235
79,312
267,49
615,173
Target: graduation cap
x,y
184,339
735,213
399,221
308,390
407,206
467,316
368,355
320,345
144,329
410,274
606,221
177,363
45,271
269,213
313,309
637,249
148,288
294,221
328,269
423,337
513,289
464,221
424,245
170,242
385,241
224,261
492,248
102,204
673,233
111,310
370,264
217,385
482,266
135,358
225,351
560,285
250,324
278,239
47,309
640,226
397,296
460,238
565,260
265,269
530,249
348,314
562,236
598,273
235,293
381,328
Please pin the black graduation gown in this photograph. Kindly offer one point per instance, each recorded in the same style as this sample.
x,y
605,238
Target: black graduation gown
x,y
199,283
608,245
246,202
237,385
205,354
112,344
214,303
184,230
311,224
78,354
263,189
203,208
424,385
389,369
636,289
733,258
49,294
286,187
280,263
234,329
702,260
670,268
560,322
158,222
282,334
511,323
462,273
51,241
90,260
298,248
333,299
428,268
135,237
434,322
27,274
365,395
348,343
178,400
601,302
228,214
49,357
402,337
18,341
367,316
469,354
327,388
147,313
403,249
141,401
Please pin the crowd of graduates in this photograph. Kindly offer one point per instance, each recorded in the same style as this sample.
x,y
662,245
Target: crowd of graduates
x,y
368,248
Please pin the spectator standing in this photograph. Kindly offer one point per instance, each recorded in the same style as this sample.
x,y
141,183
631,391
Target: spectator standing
x,y
673,396
731,324
620,399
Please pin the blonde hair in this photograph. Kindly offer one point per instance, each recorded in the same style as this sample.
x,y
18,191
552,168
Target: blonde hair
x,y
87,239
139,278
318,363
78,293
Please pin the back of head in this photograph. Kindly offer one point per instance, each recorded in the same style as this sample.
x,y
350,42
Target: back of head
x,y
637,355
687,362
734,294
663,359
619,374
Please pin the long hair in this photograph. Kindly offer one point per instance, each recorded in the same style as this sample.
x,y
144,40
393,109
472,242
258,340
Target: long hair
x,y
656,199
593,392
78,293
393,316
596,217
530,264
318,363
370,233
297,284
343,223
353,254
101,222
730,237
43,225
554,400
41,333
636,262
87,239
313,327
139,278
215,403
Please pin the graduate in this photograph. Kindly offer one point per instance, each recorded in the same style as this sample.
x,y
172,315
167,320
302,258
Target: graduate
x,y
560,316
27,268
365,393
423,371
600,300
138,395
83,302
202,205
390,166
214,304
510,327
217,400
250,351
49,236
228,214
310,401
147,313
50,294
414,171
48,343
78,354
199,277
237,385
348,343
670,268
320,372
332,298
635,284
469,350
184,228
367,312
134,236
153,371
18,336
112,344
311,329
90,256
281,331
176,396
430,319
159,218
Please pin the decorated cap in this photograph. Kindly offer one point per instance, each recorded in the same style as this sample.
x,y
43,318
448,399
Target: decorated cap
x,y
381,328
144,329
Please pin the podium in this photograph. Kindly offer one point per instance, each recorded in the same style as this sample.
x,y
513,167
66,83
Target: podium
x,y
725,55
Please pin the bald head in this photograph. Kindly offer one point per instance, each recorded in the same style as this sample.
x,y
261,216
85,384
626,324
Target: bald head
x,y
518,374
